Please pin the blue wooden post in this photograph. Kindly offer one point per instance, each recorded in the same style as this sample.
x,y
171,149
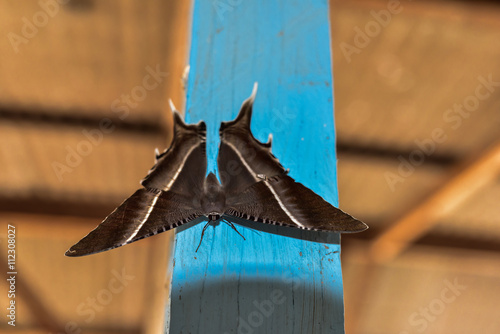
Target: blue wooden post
x,y
268,283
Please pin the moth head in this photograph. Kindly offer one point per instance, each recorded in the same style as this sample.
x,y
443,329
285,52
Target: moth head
x,y
213,216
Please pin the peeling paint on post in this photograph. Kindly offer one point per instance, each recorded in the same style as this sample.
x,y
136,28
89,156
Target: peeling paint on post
x,y
268,283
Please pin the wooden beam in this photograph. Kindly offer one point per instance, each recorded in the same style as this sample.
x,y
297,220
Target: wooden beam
x,y
269,283
371,151
423,217
38,205
78,118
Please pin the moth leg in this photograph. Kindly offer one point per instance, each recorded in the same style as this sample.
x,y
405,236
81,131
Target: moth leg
x,y
234,228
202,233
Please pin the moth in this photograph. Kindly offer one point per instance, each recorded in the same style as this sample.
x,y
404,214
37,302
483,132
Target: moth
x,y
254,186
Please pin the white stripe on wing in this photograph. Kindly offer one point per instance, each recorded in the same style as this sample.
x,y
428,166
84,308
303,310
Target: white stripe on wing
x,y
142,222
257,179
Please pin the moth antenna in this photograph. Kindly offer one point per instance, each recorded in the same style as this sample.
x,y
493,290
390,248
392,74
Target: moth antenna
x,y
253,231
203,233
234,228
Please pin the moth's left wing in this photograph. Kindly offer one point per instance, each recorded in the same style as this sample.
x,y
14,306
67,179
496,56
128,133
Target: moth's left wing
x,y
147,212
280,200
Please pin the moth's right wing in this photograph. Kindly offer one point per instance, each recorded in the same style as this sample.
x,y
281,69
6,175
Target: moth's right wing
x,y
280,200
258,188
170,197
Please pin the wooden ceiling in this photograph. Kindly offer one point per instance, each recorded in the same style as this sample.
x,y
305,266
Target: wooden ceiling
x,y
419,160
403,146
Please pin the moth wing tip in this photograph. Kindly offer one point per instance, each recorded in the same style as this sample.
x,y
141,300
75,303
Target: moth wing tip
x,y
70,252
360,226
254,91
172,105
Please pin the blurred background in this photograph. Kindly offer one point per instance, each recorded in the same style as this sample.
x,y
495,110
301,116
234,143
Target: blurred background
x,y
84,86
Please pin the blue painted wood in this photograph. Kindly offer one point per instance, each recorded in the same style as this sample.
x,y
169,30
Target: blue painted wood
x,y
268,283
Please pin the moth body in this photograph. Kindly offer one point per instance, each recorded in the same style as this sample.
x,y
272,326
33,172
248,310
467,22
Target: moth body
x,y
213,200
